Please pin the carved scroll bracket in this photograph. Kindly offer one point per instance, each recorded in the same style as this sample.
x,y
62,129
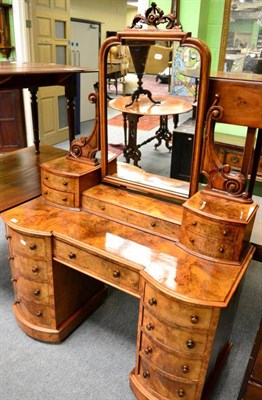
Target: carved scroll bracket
x,y
221,178
85,148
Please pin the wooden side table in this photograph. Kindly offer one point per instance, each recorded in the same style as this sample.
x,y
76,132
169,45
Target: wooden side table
x,y
131,114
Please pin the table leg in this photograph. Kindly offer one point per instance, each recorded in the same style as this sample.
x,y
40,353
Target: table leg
x,y
131,150
70,92
34,109
163,133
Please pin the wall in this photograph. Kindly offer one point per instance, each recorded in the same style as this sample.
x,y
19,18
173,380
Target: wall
x,y
111,13
204,18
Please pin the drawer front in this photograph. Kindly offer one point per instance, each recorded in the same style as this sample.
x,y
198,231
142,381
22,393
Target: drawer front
x,y
205,245
185,340
62,183
196,224
144,221
35,313
253,392
28,245
173,363
175,311
29,290
167,388
63,198
97,267
234,159
30,268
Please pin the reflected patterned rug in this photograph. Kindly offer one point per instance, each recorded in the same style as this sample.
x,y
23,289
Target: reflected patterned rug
x,y
145,123
116,148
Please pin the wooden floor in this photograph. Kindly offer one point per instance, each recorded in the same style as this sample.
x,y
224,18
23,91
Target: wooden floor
x,y
20,174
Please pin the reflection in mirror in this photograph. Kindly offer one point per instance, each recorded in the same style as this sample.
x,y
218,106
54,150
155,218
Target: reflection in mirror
x,y
151,108
241,44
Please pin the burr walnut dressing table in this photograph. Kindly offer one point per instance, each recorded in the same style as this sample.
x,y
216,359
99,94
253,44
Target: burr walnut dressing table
x,y
183,256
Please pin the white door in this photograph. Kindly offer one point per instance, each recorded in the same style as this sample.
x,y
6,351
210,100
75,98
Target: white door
x,y
85,40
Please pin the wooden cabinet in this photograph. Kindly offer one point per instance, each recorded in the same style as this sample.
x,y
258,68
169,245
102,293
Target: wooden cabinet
x,y
233,155
12,121
251,388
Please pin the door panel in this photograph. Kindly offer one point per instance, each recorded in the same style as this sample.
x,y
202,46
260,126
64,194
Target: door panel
x,y
85,43
49,36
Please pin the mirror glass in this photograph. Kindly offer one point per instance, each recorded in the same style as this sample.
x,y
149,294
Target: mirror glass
x,y
241,46
151,95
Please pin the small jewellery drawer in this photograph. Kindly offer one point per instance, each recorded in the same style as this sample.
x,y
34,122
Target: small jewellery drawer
x,y
96,266
62,183
167,387
29,290
208,246
28,245
33,269
216,230
234,159
171,362
180,339
176,311
35,313
63,198
132,217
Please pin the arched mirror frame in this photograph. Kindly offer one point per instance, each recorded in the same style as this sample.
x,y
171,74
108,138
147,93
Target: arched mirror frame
x,y
184,39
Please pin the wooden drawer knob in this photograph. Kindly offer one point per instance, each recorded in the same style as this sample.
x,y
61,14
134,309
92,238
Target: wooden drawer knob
x,y
35,269
146,374
194,319
13,280
181,393
64,199
10,258
185,369
153,224
190,344
65,183
192,240
102,208
153,301
148,350
46,177
149,326
46,192
7,237
39,314
32,246
116,273
221,249
37,292
235,160
71,255
225,232
194,223
17,301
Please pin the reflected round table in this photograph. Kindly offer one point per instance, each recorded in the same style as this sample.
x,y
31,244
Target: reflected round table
x,y
170,105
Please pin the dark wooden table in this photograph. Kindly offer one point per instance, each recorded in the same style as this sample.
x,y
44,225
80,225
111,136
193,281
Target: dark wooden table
x,y
168,106
21,75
